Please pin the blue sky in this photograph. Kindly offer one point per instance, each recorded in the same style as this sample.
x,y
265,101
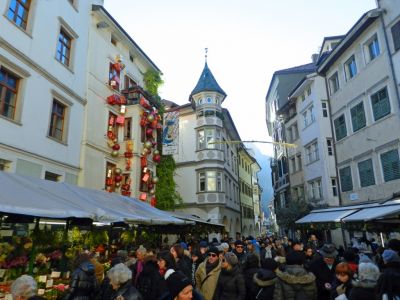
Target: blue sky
x,y
247,41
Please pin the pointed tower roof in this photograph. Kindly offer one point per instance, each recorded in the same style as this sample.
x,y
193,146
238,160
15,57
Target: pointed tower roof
x,y
207,82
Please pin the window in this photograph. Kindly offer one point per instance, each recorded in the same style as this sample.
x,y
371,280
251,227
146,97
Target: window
x,y
312,152
380,104
340,128
299,165
4,164
373,48
309,91
129,82
334,83
293,164
396,35
324,109
18,12
366,172
298,193
64,48
329,144
127,129
57,118
390,165
315,189
312,116
358,116
51,176
113,40
8,93
113,76
346,180
351,68
206,137
334,187
305,119
295,132
210,181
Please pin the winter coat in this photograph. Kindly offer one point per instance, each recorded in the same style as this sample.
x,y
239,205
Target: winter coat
x,y
230,285
184,264
388,282
339,288
263,285
127,291
293,282
150,284
323,275
248,274
206,283
84,285
363,290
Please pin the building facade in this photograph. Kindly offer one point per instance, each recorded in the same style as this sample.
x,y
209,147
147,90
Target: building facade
x,y
43,84
207,174
118,138
364,104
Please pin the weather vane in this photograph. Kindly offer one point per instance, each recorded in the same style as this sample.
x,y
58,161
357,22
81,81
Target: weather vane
x,y
206,51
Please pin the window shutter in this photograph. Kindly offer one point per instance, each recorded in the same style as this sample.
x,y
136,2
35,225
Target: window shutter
x,y
396,36
345,179
391,165
366,172
380,104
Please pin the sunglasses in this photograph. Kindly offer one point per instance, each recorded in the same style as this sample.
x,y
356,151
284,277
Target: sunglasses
x,y
212,254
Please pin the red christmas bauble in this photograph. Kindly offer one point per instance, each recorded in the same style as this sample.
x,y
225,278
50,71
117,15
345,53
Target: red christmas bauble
x,y
117,178
116,147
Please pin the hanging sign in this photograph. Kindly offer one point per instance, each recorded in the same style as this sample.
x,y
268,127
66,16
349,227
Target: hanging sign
x,y
170,136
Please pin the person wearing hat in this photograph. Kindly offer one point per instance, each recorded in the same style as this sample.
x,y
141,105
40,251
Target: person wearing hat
x,y
389,281
203,248
179,287
364,287
294,282
239,251
230,283
324,270
264,281
207,274
250,267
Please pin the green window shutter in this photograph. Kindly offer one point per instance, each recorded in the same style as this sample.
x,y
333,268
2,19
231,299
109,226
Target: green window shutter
x,y
380,104
358,117
340,128
345,179
390,165
366,172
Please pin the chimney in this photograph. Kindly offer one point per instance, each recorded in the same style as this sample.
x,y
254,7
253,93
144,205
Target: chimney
x,y
314,57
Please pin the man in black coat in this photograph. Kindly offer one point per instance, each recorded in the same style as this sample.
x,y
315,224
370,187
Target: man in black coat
x,y
324,270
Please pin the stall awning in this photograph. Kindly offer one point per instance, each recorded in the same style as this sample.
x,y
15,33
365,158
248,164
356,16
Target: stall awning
x,y
326,216
193,219
42,198
375,213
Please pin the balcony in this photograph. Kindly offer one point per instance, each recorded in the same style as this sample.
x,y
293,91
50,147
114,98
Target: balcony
x,y
282,182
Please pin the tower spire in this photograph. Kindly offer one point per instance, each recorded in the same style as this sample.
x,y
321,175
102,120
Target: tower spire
x,y
205,53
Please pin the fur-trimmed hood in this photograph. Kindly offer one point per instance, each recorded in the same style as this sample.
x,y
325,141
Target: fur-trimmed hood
x,y
364,284
264,278
295,274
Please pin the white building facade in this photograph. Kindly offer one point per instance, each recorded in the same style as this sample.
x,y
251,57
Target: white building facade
x,y
207,170
43,51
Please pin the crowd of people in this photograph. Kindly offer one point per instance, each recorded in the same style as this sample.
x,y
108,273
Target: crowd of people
x,y
246,269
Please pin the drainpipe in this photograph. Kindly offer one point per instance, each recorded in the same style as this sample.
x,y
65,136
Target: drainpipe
x,y
388,52
335,156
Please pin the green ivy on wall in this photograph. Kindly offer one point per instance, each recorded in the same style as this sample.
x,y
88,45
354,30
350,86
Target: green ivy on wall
x,y
166,195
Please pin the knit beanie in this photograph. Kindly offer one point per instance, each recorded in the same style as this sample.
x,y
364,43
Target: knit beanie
x,y
231,258
368,272
225,246
176,282
389,256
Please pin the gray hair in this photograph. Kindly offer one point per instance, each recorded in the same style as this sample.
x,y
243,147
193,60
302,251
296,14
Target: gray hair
x,y
24,286
119,274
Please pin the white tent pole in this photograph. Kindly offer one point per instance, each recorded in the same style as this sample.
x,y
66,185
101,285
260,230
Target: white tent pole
x,y
382,242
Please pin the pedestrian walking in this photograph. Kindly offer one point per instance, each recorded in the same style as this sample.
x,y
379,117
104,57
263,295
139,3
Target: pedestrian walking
x,y
207,274
364,287
230,283
389,282
121,281
294,282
